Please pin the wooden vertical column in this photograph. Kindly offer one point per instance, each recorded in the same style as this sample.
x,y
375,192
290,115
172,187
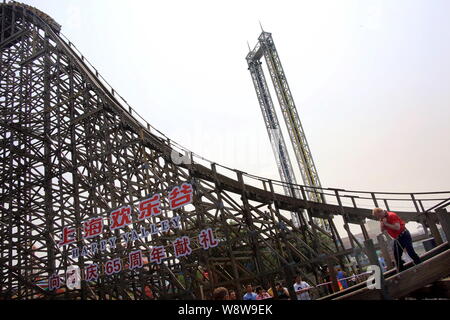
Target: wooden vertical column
x,y
338,240
444,219
344,216
50,216
386,205
236,281
204,256
363,228
76,187
425,230
288,269
431,222
364,231
249,222
333,275
375,202
359,249
314,237
347,228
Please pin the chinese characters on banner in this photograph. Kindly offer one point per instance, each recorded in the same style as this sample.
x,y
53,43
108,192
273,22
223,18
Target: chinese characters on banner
x,y
54,282
119,219
179,197
92,228
149,208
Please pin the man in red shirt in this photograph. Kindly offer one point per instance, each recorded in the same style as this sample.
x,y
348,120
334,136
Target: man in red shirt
x,y
395,226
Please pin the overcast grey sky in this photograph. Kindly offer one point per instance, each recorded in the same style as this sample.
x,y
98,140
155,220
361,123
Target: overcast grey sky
x,y
370,80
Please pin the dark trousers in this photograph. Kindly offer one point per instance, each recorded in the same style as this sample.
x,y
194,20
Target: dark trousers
x,y
404,241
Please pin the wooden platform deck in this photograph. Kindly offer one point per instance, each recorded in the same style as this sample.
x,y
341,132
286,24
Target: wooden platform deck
x,y
434,268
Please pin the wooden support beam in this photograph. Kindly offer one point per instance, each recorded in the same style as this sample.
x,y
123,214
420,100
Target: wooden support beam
x,y
444,219
431,222
33,57
333,275
13,38
249,222
288,269
364,231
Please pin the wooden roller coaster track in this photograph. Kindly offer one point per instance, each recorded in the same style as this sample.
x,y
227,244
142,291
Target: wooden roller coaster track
x,y
72,149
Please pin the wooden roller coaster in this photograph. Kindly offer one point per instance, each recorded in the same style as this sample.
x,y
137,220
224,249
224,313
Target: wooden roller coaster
x,y
72,149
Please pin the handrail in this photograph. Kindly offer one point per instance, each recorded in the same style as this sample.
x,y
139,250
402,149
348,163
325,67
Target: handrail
x,y
440,205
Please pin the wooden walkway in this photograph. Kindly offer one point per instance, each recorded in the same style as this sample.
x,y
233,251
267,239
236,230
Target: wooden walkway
x,y
435,266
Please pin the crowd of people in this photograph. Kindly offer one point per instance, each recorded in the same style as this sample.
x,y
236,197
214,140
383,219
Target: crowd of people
x,y
303,290
259,293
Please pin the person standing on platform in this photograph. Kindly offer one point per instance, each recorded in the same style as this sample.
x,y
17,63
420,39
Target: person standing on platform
x,y
341,278
221,293
327,279
250,295
395,227
282,292
261,294
232,295
301,288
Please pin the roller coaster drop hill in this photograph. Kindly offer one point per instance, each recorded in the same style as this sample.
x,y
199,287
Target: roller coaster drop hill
x,y
75,155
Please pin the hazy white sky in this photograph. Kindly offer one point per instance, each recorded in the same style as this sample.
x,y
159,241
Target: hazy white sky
x,y
370,80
